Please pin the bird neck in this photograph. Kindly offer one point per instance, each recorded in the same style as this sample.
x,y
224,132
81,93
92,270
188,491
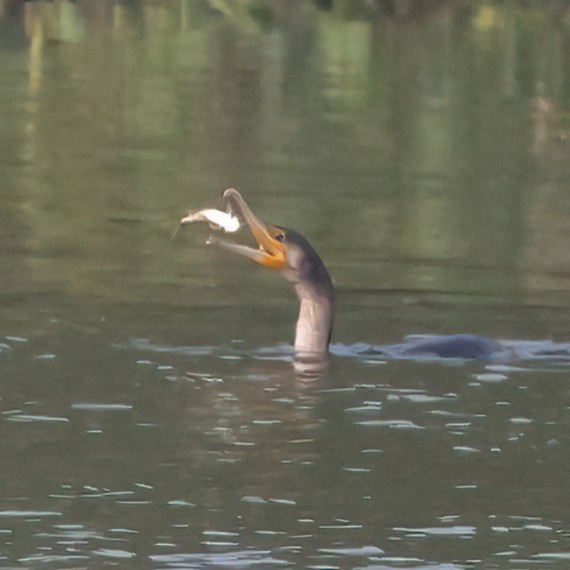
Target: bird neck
x,y
315,290
314,324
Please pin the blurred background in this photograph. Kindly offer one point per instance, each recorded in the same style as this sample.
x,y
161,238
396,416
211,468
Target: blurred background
x,y
421,146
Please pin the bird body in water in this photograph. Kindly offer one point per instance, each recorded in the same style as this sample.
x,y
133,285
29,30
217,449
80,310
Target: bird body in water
x,y
289,253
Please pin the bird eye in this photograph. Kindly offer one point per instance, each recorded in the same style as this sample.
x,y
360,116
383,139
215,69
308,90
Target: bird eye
x,y
280,237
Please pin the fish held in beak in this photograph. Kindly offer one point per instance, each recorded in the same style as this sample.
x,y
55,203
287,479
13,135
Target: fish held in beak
x,y
217,219
271,250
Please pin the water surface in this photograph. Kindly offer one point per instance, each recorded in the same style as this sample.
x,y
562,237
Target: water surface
x,y
151,415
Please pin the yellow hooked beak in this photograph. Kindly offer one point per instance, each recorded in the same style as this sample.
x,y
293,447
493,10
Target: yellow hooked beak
x,y
272,251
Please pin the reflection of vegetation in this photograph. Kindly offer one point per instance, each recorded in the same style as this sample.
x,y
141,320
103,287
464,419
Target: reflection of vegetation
x,y
419,124
57,20
245,13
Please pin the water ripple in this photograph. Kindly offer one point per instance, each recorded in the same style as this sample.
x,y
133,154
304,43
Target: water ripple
x,y
229,559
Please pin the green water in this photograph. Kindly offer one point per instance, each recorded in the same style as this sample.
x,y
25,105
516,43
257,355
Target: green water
x,y
149,416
